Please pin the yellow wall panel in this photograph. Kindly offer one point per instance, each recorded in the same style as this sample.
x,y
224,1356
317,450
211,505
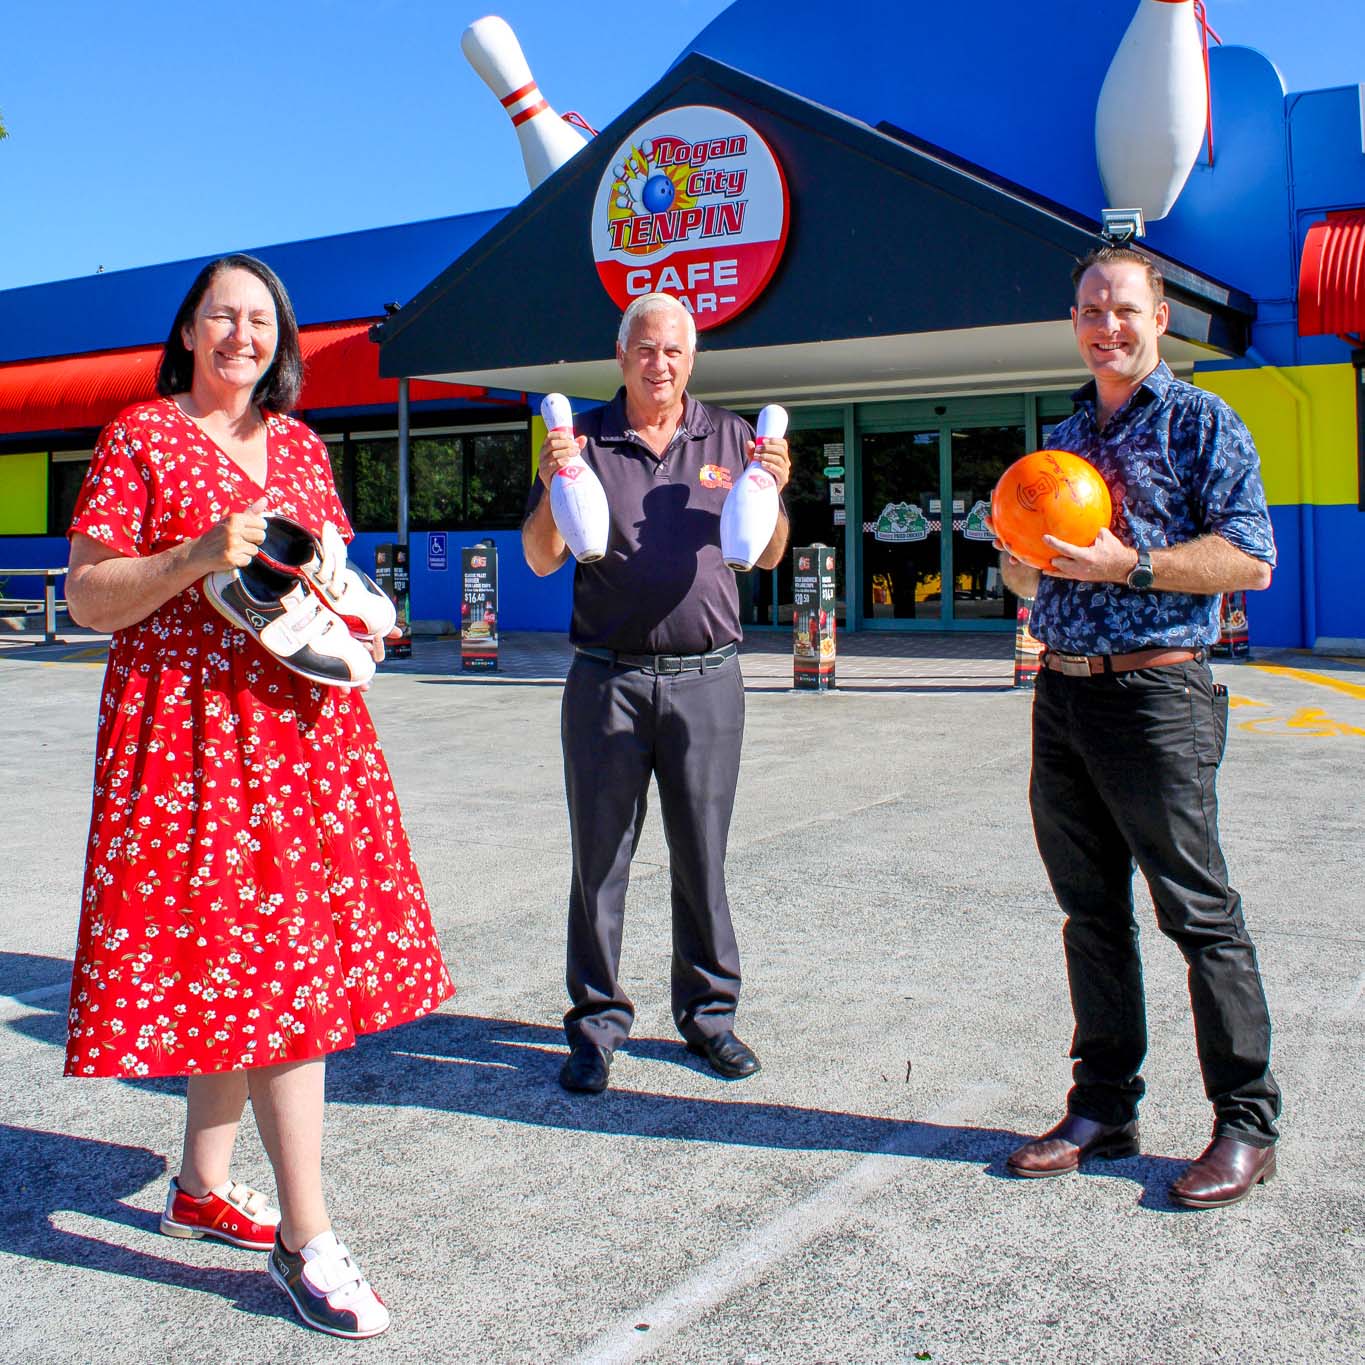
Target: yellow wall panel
x,y
23,494
1270,410
539,431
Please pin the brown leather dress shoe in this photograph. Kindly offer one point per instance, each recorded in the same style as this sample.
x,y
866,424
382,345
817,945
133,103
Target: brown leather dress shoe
x,y
1063,1148
1228,1171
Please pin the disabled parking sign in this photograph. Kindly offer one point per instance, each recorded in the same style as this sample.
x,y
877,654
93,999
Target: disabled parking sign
x,y
437,560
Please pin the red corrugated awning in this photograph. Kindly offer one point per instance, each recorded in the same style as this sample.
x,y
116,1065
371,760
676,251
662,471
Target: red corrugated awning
x,y
1332,276
341,370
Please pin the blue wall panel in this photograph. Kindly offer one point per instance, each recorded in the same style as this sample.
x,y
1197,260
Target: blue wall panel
x,y
329,279
1233,220
1274,615
31,552
1340,534
525,602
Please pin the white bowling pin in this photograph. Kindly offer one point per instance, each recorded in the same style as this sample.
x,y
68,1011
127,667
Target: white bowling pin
x,y
1150,116
578,501
748,517
547,142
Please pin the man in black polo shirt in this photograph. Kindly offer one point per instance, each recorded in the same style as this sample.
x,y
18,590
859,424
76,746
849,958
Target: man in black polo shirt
x,y
655,686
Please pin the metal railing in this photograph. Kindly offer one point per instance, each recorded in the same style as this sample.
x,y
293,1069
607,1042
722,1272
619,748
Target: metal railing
x,y
51,603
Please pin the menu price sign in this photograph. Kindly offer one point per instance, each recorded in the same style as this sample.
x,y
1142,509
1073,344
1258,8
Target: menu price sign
x,y
391,573
815,595
479,608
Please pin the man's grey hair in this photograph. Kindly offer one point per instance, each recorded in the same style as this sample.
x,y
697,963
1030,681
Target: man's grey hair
x,y
654,303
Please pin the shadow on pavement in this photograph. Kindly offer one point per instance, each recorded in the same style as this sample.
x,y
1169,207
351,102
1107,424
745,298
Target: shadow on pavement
x,y
57,1175
507,1069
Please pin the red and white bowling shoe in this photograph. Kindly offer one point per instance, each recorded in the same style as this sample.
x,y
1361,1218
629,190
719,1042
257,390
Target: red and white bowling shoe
x,y
354,596
229,1212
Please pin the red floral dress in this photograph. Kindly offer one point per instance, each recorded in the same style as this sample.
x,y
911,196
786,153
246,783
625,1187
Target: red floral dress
x,y
250,897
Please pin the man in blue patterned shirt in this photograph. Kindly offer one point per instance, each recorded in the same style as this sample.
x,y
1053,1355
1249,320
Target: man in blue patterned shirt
x,y
1128,732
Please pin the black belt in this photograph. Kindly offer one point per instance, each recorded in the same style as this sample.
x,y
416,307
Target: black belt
x,y
662,663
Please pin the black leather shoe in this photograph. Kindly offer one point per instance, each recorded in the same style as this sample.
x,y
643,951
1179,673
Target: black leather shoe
x,y
727,1056
1228,1171
586,1068
1063,1148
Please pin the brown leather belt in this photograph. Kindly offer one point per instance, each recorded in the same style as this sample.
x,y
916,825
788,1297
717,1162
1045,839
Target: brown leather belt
x,y
1089,665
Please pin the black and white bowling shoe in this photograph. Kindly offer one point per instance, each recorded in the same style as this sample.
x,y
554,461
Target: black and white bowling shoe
x,y
272,599
327,1289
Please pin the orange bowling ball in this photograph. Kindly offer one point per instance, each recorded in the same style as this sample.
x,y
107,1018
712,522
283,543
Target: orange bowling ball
x,y
1054,493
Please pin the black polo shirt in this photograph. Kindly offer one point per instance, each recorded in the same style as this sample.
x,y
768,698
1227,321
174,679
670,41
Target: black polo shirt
x,y
662,587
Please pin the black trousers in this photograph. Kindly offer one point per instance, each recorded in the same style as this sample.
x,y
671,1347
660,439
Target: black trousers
x,y
620,726
1123,773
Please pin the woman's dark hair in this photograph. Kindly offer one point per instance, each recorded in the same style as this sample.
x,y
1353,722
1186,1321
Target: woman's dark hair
x,y
278,388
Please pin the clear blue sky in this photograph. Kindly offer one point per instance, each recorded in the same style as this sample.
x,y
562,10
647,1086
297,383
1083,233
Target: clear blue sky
x,y
154,131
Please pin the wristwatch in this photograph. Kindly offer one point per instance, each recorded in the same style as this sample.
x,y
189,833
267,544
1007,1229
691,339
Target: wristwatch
x,y
1140,576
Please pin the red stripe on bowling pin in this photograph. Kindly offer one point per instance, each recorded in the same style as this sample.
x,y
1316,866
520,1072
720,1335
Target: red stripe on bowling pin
x,y
546,142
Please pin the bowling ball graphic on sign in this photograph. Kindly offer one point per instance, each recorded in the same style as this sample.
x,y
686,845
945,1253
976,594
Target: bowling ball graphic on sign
x,y
1053,493
694,204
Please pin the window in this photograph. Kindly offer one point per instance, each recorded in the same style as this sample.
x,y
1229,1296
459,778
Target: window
x,y
66,473
456,480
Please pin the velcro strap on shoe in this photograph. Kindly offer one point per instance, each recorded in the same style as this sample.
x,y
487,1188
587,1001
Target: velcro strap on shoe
x,y
301,624
327,1274
251,1202
333,565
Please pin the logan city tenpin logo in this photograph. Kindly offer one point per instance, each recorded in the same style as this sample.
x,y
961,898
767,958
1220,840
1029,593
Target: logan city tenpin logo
x,y
256,619
694,204
715,476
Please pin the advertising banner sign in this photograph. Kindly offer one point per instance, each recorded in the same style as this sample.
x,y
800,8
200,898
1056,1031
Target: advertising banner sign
x,y
479,609
815,595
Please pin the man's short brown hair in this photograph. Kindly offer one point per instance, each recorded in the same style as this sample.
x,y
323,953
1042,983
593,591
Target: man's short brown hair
x,y
1119,255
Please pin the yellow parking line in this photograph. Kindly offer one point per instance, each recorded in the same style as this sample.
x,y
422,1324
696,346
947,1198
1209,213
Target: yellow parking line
x,y
1321,679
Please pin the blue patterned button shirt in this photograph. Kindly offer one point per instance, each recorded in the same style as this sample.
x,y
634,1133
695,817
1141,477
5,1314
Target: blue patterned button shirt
x,y
1179,463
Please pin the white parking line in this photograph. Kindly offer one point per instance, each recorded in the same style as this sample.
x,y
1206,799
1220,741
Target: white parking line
x,y
722,1276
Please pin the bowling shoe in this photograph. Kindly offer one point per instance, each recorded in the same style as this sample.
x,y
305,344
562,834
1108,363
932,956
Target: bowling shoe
x,y
1063,1148
229,1212
327,1289
1227,1171
586,1069
268,600
727,1056
354,596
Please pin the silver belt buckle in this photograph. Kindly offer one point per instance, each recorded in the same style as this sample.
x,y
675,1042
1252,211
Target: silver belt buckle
x,y
1071,665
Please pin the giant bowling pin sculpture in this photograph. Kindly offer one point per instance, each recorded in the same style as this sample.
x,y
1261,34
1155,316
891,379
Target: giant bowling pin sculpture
x,y
749,515
578,501
547,142
1150,117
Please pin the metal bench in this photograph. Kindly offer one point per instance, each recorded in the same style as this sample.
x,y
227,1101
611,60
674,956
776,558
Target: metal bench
x,y
50,605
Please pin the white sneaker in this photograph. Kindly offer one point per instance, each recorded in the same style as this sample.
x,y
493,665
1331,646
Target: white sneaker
x,y
327,1289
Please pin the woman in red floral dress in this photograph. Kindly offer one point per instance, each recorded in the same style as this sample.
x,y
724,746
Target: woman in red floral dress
x,y
250,901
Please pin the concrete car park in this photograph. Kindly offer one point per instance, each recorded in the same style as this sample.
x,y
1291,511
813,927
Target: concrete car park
x,y
904,986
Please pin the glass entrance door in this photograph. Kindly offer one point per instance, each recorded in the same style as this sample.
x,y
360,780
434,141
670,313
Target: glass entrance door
x,y
925,494
902,534
814,499
978,456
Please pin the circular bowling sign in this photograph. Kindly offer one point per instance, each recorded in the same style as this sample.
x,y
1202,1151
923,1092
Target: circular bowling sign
x,y
693,203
